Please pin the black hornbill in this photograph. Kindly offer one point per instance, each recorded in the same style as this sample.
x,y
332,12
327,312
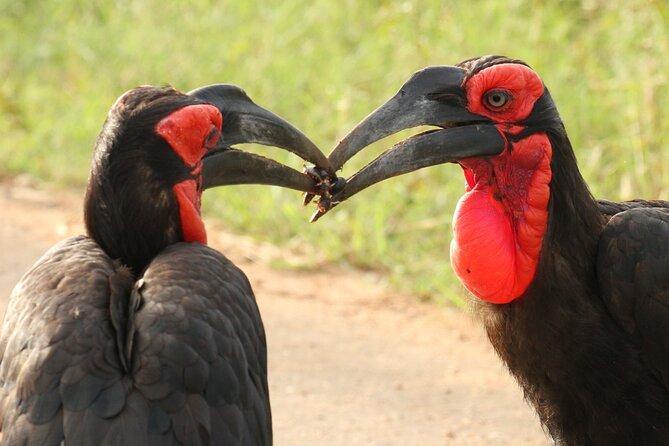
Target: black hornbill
x,y
139,333
573,292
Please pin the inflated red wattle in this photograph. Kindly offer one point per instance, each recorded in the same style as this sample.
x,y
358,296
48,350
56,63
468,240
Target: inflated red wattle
x,y
499,224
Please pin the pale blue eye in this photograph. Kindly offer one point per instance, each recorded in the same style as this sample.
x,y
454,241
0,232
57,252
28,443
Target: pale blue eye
x,y
496,98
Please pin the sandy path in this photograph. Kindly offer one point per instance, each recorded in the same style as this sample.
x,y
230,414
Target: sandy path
x,y
350,362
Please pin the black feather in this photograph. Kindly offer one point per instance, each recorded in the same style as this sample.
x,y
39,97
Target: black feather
x,y
588,340
130,337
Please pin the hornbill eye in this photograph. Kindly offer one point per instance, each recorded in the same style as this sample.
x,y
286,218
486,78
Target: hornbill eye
x,y
495,99
212,138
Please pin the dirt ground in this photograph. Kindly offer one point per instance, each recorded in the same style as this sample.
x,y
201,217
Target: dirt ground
x,y
350,362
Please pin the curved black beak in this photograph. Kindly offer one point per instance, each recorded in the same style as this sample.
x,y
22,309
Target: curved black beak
x,y
246,122
432,96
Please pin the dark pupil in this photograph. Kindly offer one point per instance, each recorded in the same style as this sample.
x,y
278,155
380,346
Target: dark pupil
x,y
496,99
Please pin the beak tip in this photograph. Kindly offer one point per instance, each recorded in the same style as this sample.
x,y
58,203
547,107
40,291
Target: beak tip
x,y
316,215
308,197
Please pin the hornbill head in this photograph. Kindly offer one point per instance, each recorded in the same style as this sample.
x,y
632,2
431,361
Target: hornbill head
x,y
494,118
159,149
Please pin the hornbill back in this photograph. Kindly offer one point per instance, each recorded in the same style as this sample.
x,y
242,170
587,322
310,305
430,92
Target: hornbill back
x,y
178,357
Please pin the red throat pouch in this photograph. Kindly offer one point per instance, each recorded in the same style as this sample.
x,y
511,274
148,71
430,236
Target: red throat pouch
x,y
188,199
499,224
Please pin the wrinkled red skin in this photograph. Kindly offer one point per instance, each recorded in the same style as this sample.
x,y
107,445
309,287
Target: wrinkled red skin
x,y
500,222
191,131
188,198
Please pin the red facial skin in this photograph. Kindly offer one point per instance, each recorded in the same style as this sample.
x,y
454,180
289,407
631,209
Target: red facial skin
x,y
191,131
500,222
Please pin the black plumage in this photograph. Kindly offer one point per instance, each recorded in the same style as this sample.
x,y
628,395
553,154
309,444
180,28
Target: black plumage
x,y
94,356
588,338
590,379
130,335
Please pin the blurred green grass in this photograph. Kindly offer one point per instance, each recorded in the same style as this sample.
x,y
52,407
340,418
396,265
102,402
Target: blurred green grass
x,y
324,65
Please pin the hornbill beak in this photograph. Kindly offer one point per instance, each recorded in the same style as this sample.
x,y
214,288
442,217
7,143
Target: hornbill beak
x,y
432,96
246,122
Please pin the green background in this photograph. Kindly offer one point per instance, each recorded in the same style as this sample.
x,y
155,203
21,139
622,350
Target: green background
x,y
324,65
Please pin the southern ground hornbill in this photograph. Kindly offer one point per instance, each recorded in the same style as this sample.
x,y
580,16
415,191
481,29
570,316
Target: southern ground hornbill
x,y
573,291
139,333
